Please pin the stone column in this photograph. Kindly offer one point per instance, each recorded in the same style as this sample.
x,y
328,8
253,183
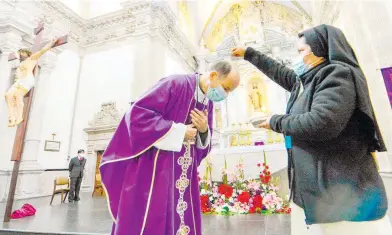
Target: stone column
x,y
85,6
201,56
150,63
9,42
34,141
324,11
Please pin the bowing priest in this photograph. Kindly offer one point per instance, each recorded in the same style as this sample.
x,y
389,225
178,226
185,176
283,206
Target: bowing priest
x,y
149,169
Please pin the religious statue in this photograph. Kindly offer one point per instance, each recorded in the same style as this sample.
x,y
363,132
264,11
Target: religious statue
x,y
24,81
255,98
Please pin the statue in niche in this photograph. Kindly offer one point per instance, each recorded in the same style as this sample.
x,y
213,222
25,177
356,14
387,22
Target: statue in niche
x,y
255,97
257,104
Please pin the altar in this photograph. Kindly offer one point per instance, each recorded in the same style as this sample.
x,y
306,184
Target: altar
x,y
249,156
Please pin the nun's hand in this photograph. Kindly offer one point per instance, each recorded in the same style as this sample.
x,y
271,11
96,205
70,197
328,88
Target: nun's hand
x,y
266,124
238,52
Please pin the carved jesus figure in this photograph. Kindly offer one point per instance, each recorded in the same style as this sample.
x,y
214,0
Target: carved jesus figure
x,y
24,81
255,98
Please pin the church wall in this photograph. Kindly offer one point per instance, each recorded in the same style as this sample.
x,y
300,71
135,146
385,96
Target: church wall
x,y
7,135
51,112
105,76
370,37
119,75
174,65
57,117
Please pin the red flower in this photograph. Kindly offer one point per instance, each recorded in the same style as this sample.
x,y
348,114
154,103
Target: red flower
x,y
258,202
226,190
244,197
266,167
258,164
265,179
205,204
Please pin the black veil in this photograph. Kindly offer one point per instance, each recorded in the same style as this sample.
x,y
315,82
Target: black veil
x,y
329,42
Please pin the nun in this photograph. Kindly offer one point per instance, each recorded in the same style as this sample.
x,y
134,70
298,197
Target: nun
x,y
331,134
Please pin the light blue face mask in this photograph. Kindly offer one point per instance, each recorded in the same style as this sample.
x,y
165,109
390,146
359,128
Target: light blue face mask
x,y
299,66
216,94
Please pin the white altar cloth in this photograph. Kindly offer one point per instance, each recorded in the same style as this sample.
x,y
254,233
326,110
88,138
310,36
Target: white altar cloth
x,y
275,153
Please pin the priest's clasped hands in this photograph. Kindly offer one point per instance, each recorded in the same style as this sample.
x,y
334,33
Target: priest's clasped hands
x,y
199,123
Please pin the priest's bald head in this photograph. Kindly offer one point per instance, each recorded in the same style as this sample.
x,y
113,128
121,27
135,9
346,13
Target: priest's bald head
x,y
221,79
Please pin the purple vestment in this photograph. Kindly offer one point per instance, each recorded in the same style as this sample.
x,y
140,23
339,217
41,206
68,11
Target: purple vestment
x,y
152,191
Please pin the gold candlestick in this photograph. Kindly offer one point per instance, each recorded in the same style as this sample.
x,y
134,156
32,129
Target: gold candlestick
x,y
269,137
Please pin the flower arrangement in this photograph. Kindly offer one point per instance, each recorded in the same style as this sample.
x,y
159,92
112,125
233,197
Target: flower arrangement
x,y
235,195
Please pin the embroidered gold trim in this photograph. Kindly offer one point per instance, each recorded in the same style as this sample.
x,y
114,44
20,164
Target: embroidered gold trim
x,y
190,188
182,184
124,159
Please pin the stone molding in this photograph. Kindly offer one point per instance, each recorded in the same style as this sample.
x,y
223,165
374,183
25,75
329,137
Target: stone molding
x,y
274,38
102,127
109,115
134,20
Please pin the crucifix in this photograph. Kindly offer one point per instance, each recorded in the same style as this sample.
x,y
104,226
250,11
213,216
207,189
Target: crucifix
x,y
25,86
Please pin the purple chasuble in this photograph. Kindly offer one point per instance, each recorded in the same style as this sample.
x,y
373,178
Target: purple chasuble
x,y
152,191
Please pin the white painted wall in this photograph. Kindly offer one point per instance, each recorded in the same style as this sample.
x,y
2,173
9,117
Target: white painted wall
x,y
174,65
105,76
114,75
59,107
74,5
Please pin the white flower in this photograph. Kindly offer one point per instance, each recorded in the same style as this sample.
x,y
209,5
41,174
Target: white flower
x,y
211,198
223,197
203,191
215,194
240,191
231,200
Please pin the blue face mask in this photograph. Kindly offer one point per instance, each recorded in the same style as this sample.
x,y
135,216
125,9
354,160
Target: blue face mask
x,y
216,94
299,66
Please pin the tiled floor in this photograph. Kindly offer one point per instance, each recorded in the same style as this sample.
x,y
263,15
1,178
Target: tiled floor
x,y
91,216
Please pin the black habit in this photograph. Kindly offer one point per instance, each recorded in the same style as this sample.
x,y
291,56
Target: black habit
x,y
333,130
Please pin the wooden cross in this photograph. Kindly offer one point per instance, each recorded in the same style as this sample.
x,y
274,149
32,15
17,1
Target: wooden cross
x,y
22,127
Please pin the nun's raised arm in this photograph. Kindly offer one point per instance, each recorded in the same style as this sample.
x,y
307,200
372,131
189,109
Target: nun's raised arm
x,y
282,75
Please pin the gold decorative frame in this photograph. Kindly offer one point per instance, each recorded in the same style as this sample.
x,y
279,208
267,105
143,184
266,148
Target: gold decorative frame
x,y
52,146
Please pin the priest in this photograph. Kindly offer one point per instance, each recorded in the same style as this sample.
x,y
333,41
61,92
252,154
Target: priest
x,y
149,169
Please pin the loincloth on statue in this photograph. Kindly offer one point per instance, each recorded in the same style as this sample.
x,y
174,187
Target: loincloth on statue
x,y
25,83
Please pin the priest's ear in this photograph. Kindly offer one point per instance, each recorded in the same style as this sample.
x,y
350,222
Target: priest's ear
x,y
214,76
